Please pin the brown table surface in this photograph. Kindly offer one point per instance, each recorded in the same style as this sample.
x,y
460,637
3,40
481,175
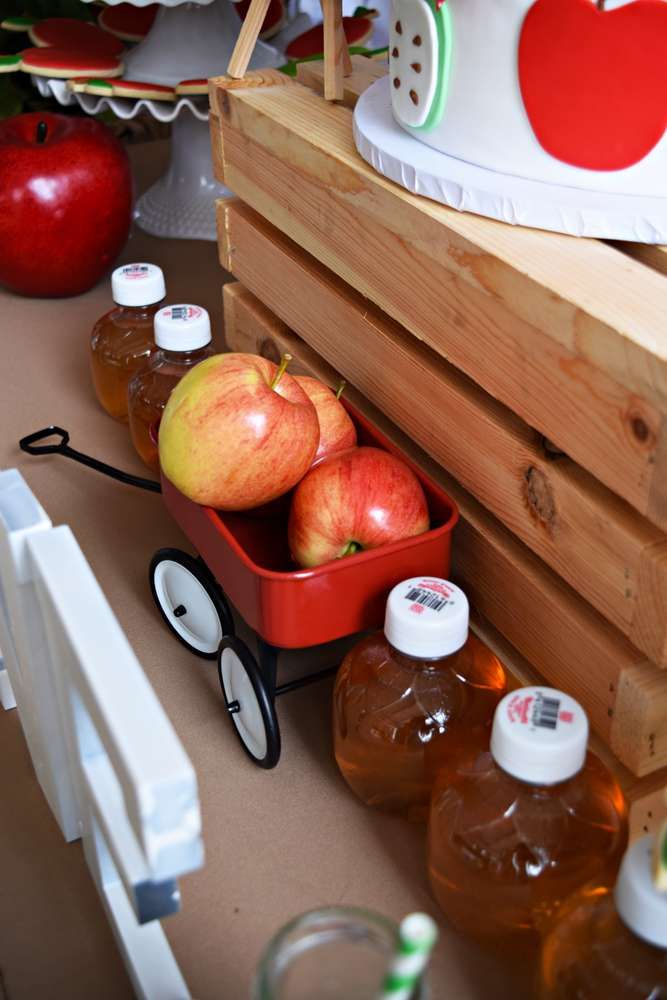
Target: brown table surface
x,y
278,842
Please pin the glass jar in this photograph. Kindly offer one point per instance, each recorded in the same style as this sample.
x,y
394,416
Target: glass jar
x,y
336,953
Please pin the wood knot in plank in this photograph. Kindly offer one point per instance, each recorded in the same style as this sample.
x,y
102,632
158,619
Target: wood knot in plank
x,y
640,428
539,496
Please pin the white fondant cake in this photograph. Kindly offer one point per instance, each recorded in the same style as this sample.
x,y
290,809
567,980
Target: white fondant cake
x,y
466,80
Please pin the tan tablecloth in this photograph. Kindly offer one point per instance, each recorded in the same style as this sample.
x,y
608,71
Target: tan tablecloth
x,y
278,842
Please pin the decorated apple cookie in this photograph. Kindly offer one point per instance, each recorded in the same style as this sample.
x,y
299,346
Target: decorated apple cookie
x,y
66,63
419,60
17,23
68,33
9,63
311,43
143,91
192,87
128,22
86,85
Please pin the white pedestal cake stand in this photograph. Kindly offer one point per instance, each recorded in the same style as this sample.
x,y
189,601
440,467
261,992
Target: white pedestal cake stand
x,y
471,188
188,41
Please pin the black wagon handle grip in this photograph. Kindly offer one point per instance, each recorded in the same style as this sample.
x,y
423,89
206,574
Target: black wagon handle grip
x,y
30,444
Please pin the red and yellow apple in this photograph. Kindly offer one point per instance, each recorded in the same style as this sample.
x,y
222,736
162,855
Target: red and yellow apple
x,y
337,432
237,432
358,499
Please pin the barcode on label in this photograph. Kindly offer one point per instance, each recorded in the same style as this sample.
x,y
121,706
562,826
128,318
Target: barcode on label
x,y
179,312
427,598
545,713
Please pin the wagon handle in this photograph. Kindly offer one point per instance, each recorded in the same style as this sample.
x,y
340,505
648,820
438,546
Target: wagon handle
x,y
61,447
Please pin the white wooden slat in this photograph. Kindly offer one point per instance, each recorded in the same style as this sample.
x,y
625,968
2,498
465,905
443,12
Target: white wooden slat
x,y
157,779
26,653
7,699
149,960
111,765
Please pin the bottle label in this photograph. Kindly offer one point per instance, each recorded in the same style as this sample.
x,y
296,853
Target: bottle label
x,y
538,711
431,594
136,272
182,313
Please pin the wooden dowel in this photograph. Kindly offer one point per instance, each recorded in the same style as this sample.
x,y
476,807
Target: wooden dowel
x,y
333,49
248,35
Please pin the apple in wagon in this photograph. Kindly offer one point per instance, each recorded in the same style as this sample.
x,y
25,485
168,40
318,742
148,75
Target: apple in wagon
x,y
353,500
237,432
337,432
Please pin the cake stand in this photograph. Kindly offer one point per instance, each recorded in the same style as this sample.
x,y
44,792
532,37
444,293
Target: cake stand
x,y
188,41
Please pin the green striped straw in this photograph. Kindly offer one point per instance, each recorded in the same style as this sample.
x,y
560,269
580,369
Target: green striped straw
x,y
417,935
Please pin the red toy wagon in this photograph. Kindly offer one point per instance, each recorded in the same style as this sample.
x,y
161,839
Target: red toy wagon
x,y
243,558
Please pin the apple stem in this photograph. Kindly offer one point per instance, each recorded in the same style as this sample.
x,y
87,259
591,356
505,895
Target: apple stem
x,y
282,367
40,134
341,388
350,549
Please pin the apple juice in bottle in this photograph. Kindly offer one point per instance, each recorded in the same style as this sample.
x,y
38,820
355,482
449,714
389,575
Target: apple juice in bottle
x,y
183,339
610,944
423,684
517,827
122,340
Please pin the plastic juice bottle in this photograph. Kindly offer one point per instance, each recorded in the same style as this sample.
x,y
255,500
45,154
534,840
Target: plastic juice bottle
x,y
183,339
610,945
517,828
400,692
122,340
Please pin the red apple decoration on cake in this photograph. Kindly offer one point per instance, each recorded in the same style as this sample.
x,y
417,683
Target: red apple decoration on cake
x,y
65,203
237,432
358,499
596,97
337,432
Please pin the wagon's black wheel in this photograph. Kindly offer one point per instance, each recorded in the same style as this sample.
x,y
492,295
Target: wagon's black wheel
x,y
190,601
248,702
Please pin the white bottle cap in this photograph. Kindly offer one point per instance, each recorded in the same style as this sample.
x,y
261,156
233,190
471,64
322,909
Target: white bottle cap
x,y
640,906
426,617
137,285
539,735
182,328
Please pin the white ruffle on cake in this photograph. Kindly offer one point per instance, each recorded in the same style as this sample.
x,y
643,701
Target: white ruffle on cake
x,y
543,113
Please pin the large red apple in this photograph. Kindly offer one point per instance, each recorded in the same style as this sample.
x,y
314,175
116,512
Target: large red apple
x,y
358,499
337,432
594,81
237,432
65,203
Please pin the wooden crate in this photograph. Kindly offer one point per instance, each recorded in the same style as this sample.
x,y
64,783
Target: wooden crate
x,y
251,327
479,340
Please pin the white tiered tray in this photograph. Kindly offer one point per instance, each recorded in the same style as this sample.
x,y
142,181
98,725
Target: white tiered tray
x,y
187,41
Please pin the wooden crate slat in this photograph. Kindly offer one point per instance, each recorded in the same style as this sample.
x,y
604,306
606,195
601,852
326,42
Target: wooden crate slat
x,y
606,551
489,297
364,72
650,254
568,642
